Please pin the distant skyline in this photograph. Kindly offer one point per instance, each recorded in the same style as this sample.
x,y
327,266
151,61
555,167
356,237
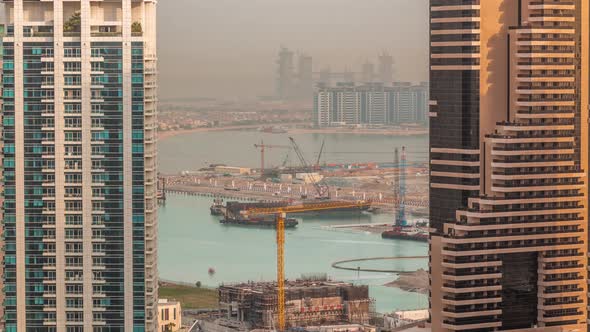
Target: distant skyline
x,y
228,48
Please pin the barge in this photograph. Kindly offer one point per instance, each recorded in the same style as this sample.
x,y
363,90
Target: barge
x,y
263,222
217,208
406,234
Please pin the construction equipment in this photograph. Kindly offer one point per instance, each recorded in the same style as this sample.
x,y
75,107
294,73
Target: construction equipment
x,y
400,227
401,184
281,214
317,163
263,148
284,164
323,192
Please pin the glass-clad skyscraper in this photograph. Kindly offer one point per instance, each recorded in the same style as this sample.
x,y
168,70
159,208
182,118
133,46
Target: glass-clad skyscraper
x,y
79,112
508,164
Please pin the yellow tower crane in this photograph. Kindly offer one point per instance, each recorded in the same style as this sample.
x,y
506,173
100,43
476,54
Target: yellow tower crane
x,y
281,214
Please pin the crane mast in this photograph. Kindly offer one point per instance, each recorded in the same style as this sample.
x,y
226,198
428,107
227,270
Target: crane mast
x,y
317,164
263,148
400,188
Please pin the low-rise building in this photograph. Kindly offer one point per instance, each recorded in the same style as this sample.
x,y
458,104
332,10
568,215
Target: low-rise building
x,y
169,316
309,177
232,170
307,303
405,317
342,328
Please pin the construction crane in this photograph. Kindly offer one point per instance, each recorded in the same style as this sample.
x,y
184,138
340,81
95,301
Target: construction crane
x,y
323,192
285,160
263,148
281,214
317,163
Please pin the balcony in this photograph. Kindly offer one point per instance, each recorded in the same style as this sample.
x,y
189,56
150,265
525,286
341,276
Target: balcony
x,y
106,31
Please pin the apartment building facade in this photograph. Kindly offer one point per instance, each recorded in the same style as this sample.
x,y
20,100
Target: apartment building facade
x,y
508,165
370,104
79,158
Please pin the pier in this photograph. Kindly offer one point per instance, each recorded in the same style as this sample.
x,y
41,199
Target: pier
x,y
272,192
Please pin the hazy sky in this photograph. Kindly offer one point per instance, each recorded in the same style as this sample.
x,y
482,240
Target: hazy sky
x,y
228,47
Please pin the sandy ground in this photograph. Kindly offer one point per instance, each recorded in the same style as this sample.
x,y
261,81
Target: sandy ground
x,y
171,133
384,132
412,282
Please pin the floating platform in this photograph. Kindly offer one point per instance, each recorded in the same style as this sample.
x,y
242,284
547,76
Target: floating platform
x,y
410,236
306,207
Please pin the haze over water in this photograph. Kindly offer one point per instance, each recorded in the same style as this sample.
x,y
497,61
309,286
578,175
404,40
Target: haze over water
x,y
236,148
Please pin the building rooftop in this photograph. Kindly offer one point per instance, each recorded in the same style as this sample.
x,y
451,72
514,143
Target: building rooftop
x,y
167,301
289,284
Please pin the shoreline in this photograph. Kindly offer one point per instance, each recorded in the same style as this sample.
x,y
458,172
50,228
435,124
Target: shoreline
x,y
162,135
382,132
415,282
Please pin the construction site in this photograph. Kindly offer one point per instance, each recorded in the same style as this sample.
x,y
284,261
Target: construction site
x,y
396,187
272,197
308,302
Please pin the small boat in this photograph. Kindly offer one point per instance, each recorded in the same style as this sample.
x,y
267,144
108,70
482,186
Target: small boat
x,y
217,209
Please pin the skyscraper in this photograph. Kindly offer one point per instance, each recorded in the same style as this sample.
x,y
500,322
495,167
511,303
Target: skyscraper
x,y
305,77
509,156
285,83
79,87
367,72
385,68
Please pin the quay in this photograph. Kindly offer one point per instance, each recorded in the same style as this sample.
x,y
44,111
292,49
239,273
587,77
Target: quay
x,y
274,192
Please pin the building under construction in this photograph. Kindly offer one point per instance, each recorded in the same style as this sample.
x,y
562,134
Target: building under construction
x,y
307,303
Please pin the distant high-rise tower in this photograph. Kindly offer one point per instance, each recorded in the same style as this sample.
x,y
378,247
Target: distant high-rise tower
x,y
285,75
367,72
348,75
305,77
79,163
508,165
325,76
385,68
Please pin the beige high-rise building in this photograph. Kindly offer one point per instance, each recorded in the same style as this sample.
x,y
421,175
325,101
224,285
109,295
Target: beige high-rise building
x,y
79,159
509,165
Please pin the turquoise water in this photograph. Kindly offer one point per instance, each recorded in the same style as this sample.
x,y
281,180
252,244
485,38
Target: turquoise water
x,y
196,150
191,241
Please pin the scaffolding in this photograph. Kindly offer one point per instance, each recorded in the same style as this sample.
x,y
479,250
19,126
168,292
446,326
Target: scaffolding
x,y
307,302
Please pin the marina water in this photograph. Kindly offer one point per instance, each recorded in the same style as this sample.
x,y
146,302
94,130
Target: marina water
x,y
191,241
